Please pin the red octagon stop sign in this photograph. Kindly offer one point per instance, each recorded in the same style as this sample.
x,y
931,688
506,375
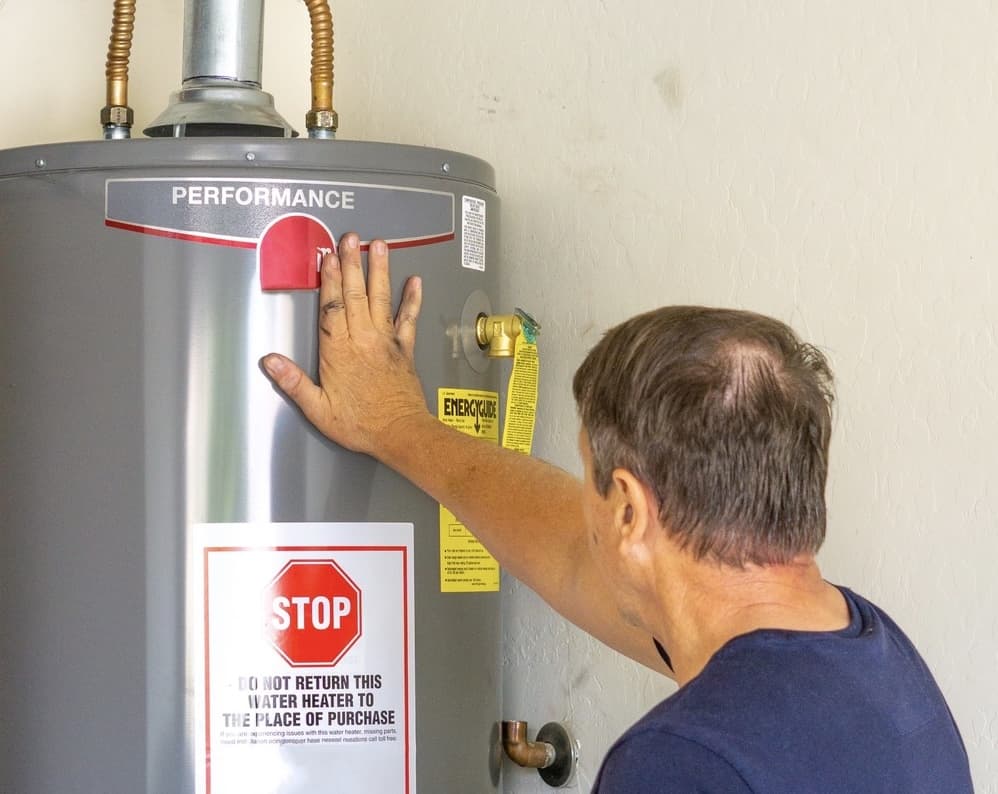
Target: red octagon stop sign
x,y
313,613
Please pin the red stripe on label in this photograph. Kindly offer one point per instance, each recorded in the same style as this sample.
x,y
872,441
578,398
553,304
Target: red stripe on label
x,y
173,235
237,243
440,238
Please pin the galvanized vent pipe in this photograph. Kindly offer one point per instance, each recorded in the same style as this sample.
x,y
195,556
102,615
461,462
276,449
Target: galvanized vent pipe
x,y
223,40
222,68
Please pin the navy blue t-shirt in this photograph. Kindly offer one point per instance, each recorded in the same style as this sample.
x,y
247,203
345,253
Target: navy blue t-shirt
x,y
799,712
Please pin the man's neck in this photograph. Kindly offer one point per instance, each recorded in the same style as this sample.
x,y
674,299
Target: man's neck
x,y
703,605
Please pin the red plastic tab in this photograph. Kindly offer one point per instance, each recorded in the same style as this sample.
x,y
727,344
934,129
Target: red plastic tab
x,y
290,253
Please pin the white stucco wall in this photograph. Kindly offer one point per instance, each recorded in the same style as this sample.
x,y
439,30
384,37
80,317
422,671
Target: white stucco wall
x,y
832,164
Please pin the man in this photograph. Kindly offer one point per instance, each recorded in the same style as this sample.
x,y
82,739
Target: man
x,y
689,546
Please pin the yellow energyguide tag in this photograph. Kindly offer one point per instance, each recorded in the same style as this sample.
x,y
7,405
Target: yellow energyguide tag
x,y
521,397
465,565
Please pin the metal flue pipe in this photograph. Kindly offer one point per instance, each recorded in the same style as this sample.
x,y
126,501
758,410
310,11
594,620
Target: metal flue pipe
x,y
223,40
222,74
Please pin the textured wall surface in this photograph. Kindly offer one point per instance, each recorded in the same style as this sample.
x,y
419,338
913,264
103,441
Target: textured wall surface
x,y
832,164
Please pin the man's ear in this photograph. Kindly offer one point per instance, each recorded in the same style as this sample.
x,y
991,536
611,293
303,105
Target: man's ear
x,y
635,509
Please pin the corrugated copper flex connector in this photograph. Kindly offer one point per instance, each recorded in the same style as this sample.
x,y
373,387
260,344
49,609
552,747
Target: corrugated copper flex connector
x,y
116,117
321,121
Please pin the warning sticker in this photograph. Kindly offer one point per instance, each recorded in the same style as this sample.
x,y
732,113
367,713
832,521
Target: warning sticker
x,y
465,565
473,233
303,658
521,400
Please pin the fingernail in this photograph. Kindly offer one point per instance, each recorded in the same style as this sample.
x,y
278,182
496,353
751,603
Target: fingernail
x,y
350,241
379,247
274,365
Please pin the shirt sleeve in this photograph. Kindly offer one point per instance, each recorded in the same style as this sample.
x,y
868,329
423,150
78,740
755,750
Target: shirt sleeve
x,y
653,762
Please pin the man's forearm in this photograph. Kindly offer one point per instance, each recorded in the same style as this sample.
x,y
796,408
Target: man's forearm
x,y
520,508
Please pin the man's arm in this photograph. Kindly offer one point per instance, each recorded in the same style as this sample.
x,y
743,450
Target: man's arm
x,y
527,513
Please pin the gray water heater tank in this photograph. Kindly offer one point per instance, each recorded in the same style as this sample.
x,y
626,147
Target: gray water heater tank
x,y
200,593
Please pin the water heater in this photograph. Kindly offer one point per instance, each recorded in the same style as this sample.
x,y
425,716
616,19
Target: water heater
x,y
201,593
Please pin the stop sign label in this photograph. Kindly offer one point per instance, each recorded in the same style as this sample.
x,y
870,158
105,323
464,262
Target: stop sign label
x,y
313,613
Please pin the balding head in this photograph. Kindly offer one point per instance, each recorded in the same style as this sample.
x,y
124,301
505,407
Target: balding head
x,y
726,416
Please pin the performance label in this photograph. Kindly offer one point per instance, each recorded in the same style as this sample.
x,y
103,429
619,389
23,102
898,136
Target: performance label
x,y
304,673
237,211
465,565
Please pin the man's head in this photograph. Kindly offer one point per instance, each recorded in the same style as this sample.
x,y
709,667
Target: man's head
x,y
726,416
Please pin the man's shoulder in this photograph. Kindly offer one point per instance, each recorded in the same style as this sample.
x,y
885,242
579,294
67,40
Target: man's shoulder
x,y
867,672
776,710
651,760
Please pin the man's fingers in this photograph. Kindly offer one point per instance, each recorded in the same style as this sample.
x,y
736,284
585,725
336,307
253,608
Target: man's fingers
x,y
354,289
292,380
408,314
379,285
332,310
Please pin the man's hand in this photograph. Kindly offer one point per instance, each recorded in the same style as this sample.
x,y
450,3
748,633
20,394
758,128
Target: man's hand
x,y
367,379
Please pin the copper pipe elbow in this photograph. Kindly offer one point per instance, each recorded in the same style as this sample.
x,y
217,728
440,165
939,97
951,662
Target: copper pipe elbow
x,y
533,755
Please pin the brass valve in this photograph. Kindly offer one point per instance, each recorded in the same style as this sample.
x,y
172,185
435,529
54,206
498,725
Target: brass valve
x,y
497,332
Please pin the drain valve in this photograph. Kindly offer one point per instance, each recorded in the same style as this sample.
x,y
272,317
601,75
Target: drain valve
x,y
553,754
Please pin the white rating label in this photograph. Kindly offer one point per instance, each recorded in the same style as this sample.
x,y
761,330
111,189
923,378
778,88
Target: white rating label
x,y
473,233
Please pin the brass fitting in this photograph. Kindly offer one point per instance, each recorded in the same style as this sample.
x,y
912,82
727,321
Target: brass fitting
x,y
322,120
497,332
117,115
